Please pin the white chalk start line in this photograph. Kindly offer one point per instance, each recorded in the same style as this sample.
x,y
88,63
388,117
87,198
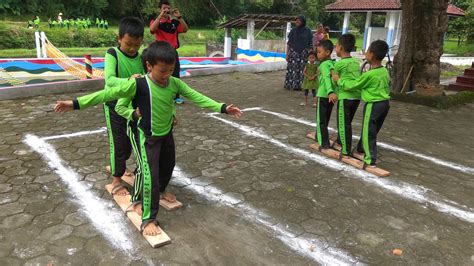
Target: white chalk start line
x,y
111,224
77,134
454,166
415,193
109,221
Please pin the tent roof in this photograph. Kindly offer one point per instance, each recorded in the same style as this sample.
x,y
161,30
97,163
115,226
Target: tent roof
x,y
268,21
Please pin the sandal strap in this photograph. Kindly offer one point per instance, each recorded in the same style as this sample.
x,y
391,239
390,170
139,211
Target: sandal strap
x,y
116,188
130,208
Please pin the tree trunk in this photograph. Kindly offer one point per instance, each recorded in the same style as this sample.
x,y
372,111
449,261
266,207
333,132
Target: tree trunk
x,y
421,46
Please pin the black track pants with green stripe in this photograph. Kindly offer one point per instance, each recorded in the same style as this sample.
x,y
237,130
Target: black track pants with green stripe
x,y
323,114
374,116
346,110
135,141
119,143
158,161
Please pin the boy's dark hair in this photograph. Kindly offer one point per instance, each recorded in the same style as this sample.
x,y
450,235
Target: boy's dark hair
x,y
327,45
159,52
327,29
164,2
347,42
312,52
132,26
379,48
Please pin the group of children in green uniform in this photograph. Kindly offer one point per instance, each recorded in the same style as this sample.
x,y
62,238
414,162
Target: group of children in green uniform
x,y
79,23
140,115
343,84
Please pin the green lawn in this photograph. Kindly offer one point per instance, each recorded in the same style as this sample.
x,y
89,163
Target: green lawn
x,y
465,49
193,43
186,50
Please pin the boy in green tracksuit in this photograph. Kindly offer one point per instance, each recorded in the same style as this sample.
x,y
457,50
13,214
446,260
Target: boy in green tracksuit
x,y
347,69
121,63
375,87
37,22
326,95
154,97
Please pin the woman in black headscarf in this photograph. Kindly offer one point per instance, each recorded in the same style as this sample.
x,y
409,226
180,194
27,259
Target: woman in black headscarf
x,y
300,42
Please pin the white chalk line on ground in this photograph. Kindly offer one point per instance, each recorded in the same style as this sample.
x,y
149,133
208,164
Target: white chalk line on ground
x,y
407,191
105,219
311,248
77,134
455,166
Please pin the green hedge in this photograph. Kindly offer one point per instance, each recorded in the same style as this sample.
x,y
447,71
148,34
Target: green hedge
x,y
16,37
441,102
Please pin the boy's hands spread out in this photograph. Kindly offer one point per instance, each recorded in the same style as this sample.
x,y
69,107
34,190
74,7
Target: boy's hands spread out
x,y
63,106
234,111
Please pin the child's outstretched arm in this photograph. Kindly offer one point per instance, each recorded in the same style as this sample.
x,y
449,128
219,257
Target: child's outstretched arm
x,y
206,102
126,90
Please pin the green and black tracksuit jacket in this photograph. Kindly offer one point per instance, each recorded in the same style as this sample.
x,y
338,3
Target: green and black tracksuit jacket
x,y
348,69
375,92
324,109
119,67
157,110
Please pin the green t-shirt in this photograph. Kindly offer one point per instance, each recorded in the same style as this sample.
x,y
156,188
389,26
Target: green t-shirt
x,y
119,67
347,69
156,103
374,85
326,86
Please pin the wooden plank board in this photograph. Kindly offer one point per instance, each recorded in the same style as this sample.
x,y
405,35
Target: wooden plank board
x,y
331,153
170,206
360,165
328,152
355,154
124,202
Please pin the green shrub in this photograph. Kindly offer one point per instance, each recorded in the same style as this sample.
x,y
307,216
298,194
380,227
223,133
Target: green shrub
x,y
16,37
441,102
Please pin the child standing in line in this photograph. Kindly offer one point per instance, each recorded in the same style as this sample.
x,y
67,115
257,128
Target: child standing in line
x,y
154,98
121,64
326,95
310,82
375,87
326,33
347,70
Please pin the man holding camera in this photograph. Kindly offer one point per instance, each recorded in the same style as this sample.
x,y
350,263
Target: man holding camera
x,y
166,27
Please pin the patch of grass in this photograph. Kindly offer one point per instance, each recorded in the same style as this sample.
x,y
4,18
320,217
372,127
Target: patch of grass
x,y
185,50
465,49
441,102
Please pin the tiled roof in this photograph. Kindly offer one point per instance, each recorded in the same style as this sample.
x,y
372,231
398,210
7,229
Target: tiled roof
x,y
365,5
341,5
455,11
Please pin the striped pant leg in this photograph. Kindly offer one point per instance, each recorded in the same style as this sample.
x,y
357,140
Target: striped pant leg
x,y
134,140
158,160
346,110
323,115
374,117
119,143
